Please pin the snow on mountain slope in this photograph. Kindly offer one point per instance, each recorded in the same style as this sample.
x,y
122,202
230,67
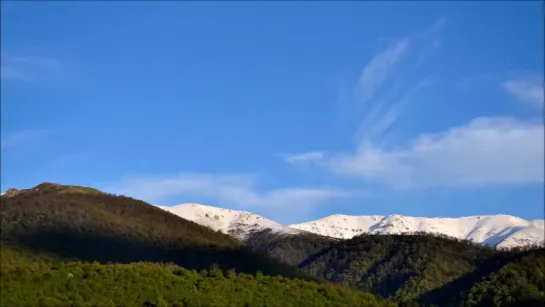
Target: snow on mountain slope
x,y
524,236
497,230
503,231
239,224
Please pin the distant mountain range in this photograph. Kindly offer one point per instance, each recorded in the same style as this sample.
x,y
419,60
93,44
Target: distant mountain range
x,y
65,245
502,231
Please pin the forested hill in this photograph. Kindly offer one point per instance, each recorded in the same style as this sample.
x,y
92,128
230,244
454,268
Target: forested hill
x,y
85,224
421,268
76,246
31,280
291,249
67,245
513,278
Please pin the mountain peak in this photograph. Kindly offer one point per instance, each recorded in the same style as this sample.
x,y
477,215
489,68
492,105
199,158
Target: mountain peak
x,y
11,192
239,224
47,187
51,186
47,184
500,230
497,230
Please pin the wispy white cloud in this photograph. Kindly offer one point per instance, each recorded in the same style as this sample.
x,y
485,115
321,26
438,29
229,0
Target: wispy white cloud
x,y
382,90
227,190
28,68
484,151
21,138
488,150
379,69
527,88
383,116
304,157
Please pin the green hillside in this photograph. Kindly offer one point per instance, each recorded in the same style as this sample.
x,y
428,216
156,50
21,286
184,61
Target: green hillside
x,y
513,278
32,281
76,246
416,269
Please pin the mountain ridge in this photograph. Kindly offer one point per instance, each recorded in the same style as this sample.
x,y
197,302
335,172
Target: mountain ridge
x,y
49,227
75,246
501,230
239,224
69,222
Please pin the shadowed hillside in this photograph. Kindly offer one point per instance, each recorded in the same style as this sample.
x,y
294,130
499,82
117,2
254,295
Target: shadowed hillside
x,y
85,224
291,249
422,269
508,279
75,246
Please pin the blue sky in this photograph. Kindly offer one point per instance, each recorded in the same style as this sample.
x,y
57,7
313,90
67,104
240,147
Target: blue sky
x,y
294,110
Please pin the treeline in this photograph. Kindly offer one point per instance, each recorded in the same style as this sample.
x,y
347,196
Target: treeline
x,y
417,269
519,282
520,248
291,249
34,282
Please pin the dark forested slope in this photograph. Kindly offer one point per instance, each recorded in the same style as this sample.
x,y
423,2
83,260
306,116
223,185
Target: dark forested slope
x,y
510,278
79,223
76,246
291,249
396,266
419,268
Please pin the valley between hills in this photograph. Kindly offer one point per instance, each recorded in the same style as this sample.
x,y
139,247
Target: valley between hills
x,y
76,246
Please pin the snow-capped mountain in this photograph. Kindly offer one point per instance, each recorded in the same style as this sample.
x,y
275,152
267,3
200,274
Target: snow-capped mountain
x,y
239,224
502,231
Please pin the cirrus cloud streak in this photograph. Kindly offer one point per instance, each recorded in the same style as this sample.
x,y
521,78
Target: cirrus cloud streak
x,y
227,190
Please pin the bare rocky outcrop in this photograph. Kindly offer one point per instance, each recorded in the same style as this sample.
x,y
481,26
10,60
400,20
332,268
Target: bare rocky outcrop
x,y
12,192
48,187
